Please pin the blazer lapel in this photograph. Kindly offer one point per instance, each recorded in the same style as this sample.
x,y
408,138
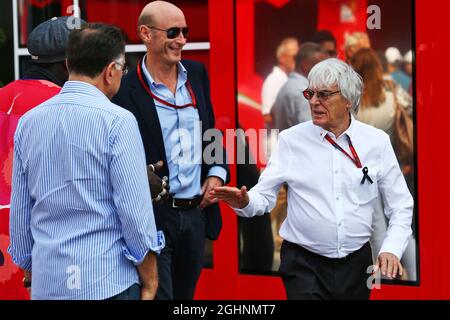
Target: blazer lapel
x,y
197,87
146,106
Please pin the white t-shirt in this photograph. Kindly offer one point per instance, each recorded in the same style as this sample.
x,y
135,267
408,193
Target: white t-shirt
x,y
271,86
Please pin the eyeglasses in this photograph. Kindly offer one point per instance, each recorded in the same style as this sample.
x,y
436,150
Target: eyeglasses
x,y
122,66
173,32
321,95
330,53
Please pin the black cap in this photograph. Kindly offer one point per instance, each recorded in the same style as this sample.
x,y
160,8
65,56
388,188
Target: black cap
x,y
47,43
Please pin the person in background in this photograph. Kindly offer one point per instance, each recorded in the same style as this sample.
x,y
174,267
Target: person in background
x,y
286,52
82,227
408,63
47,45
291,107
378,106
395,61
354,42
326,252
327,43
408,66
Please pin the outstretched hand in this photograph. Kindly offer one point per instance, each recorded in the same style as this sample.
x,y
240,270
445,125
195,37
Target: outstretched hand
x,y
236,198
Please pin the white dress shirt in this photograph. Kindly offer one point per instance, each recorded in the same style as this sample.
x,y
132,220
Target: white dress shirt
x,y
271,86
329,210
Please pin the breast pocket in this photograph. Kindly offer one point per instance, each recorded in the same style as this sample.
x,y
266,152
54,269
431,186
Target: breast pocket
x,y
362,193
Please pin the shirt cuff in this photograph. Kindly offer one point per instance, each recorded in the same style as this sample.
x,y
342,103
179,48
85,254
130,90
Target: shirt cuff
x,y
24,262
247,211
393,247
219,172
157,247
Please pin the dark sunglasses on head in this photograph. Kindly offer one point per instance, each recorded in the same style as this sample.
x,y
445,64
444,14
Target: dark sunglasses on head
x,y
321,95
173,32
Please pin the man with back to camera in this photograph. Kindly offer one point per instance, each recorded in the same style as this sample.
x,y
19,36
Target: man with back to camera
x,y
82,223
168,97
47,45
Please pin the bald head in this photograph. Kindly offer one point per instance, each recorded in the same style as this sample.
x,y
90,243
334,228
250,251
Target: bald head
x,y
157,12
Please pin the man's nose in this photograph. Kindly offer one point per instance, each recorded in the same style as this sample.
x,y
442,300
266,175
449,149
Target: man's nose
x,y
181,38
314,100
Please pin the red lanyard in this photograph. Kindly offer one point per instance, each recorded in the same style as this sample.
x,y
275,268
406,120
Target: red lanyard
x,y
164,102
355,158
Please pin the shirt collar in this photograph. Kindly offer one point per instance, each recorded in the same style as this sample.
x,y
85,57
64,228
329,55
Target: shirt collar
x,y
82,87
296,75
321,132
182,74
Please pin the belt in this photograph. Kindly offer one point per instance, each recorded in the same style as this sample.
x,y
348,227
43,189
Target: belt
x,y
185,204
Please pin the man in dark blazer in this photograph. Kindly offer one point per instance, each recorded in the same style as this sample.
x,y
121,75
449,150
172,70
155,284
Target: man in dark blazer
x,y
170,99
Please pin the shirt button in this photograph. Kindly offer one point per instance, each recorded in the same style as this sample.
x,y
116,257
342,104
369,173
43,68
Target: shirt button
x,y
337,198
340,224
336,172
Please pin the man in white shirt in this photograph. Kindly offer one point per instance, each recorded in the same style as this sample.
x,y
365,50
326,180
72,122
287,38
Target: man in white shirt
x,y
335,167
286,53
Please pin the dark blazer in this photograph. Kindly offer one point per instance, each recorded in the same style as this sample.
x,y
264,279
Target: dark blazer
x,y
133,97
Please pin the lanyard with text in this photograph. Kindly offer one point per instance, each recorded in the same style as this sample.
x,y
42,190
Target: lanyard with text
x,y
355,158
147,88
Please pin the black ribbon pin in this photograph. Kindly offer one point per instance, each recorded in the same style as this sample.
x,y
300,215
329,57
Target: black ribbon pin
x,y
366,176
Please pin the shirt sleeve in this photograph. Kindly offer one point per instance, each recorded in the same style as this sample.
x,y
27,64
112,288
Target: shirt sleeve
x,y
219,172
131,192
21,238
398,204
263,195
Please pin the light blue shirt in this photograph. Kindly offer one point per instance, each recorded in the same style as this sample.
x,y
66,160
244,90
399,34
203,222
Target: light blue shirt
x,y
81,215
182,134
402,79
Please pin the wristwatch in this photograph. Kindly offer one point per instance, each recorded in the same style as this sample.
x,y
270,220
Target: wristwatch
x,y
26,283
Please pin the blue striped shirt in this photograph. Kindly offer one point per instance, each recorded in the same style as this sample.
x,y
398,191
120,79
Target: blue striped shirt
x,y
81,214
182,134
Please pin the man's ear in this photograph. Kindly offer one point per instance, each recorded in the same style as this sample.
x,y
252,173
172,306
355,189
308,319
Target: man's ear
x,y
109,72
66,63
145,34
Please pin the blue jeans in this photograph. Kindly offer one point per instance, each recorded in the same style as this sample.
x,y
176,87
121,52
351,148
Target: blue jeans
x,y
132,293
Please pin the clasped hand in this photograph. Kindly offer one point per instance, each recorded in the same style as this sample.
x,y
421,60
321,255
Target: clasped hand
x,y
159,188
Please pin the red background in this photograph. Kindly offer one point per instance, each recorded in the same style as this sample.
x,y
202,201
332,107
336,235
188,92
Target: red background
x,y
432,47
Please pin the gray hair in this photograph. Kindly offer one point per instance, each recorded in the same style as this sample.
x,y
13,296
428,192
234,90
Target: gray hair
x,y
333,71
